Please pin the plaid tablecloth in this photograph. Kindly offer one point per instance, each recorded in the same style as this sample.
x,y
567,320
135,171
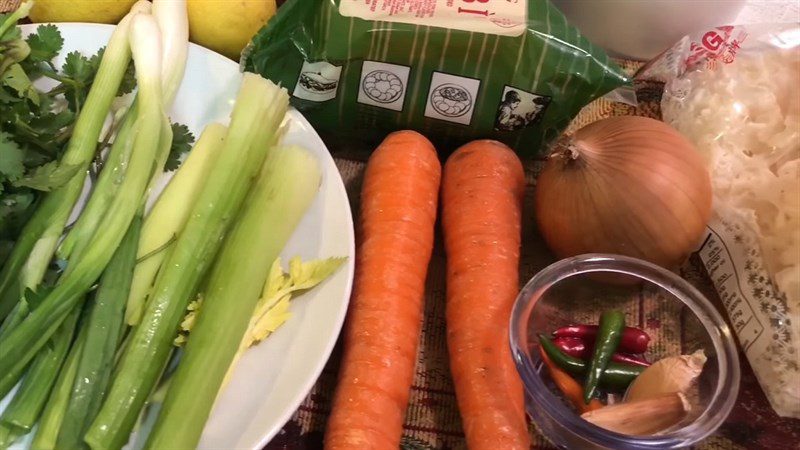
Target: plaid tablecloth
x,y
432,420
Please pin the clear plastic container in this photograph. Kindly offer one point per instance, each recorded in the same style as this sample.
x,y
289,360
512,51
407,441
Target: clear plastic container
x,y
578,290
641,29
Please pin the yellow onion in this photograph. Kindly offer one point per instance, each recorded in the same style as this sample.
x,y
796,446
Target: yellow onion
x,y
625,185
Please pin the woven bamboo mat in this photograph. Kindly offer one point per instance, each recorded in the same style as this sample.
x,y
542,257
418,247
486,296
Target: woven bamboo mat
x,y
8,5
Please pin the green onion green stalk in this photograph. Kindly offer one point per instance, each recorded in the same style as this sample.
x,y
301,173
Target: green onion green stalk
x,y
28,337
104,328
25,408
173,25
56,407
37,242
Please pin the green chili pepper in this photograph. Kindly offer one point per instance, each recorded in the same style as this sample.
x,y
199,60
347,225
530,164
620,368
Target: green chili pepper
x,y
609,335
616,375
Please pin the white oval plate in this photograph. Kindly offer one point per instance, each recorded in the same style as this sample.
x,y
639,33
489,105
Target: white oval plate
x,y
273,378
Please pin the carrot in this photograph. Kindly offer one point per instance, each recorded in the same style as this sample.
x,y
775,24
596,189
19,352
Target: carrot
x,y
569,387
482,192
398,212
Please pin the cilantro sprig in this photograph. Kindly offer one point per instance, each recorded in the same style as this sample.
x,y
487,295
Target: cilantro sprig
x,y
182,140
37,119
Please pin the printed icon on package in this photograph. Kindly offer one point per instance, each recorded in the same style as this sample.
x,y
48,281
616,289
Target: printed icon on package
x,y
519,109
383,85
452,98
318,81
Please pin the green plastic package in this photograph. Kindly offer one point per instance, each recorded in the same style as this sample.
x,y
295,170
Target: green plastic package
x,y
454,70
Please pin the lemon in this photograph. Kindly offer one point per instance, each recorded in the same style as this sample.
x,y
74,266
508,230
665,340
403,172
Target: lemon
x,y
226,26
102,11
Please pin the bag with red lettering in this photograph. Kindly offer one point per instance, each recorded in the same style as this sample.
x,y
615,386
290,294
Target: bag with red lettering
x,y
455,70
732,90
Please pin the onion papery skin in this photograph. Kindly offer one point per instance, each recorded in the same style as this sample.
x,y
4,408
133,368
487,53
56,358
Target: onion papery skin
x,y
624,185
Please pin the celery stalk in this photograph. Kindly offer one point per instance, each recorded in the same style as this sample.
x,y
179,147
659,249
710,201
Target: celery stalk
x,y
169,216
287,186
259,110
39,237
26,339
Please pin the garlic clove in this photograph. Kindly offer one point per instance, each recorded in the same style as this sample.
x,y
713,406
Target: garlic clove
x,y
641,418
666,376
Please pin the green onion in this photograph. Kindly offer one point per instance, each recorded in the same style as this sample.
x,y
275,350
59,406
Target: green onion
x,y
9,297
103,333
39,237
56,408
16,368
284,191
26,339
173,23
29,401
17,315
104,190
9,434
255,127
21,12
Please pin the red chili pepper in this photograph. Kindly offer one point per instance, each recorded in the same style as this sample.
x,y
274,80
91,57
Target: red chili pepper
x,y
633,340
574,347
577,348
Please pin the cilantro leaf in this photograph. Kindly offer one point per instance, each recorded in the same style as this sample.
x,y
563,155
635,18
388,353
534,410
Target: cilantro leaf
x,y
94,61
49,176
45,43
11,157
48,124
80,70
182,140
128,80
78,67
